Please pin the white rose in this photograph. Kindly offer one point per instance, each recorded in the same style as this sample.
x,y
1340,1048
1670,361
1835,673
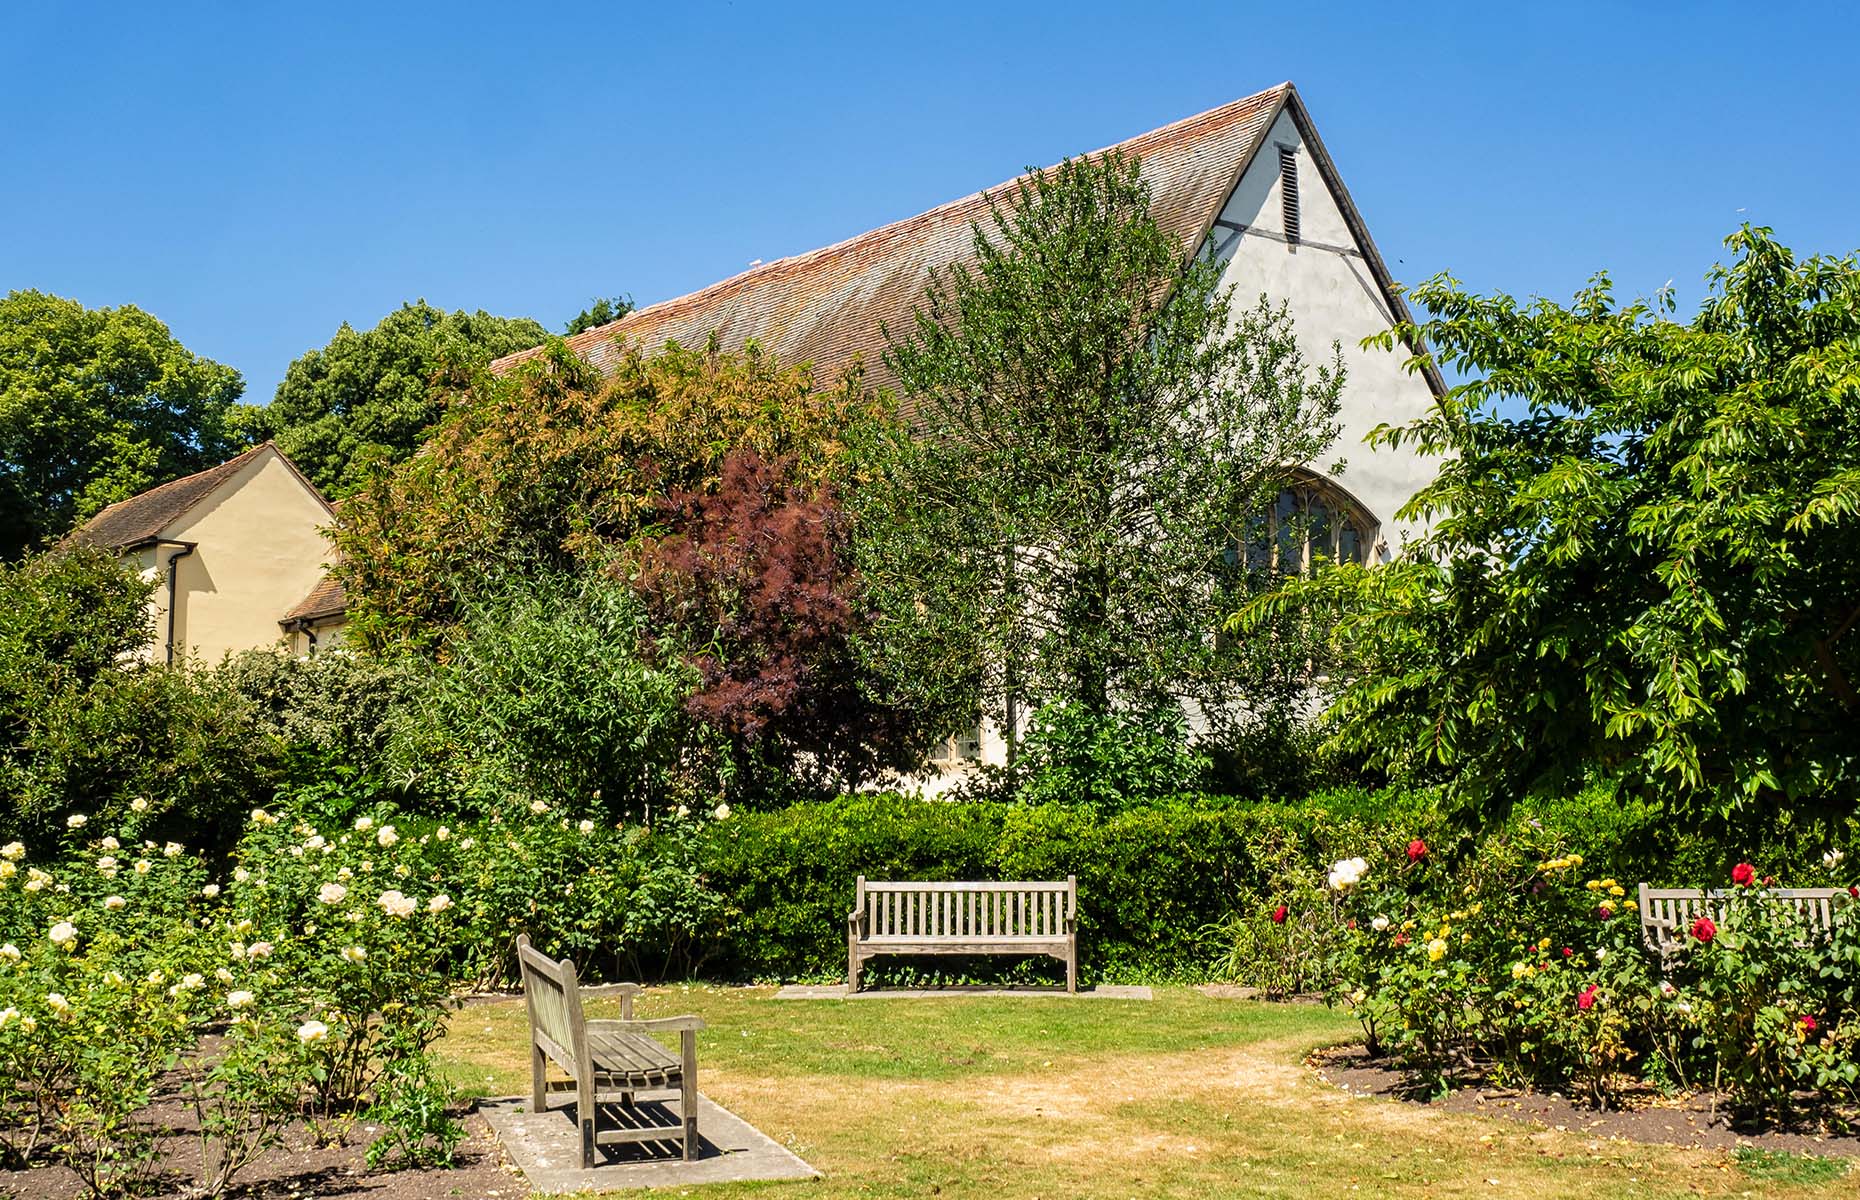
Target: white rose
x,y
240,999
468,843
1379,924
439,903
106,864
722,812
76,821
315,842
538,807
8,1015
57,1003
110,843
142,866
261,817
442,833
172,850
13,851
139,804
10,952
114,902
211,891
192,981
258,951
1831,859
63,934
223,975
312,1031
586,827
240,874
396,905
355,954
364,824
387,837
331,893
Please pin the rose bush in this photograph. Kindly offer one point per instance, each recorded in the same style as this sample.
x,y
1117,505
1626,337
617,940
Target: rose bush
x,y
1518,966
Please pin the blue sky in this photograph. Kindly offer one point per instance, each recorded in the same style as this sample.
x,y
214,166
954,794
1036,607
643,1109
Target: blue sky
x,y
255,174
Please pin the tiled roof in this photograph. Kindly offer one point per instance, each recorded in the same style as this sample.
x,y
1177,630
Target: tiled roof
x,y
144,516
326,599
826,306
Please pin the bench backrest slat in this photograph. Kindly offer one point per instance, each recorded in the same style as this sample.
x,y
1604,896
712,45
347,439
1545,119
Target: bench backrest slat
x,y
553,996
934,911
1667,913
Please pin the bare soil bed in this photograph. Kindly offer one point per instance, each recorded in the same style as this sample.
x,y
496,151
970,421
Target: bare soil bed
x,y
300,1168
1647,1117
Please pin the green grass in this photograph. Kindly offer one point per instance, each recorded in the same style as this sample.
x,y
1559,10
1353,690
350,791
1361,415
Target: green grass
x,y
1783,1167
983,1098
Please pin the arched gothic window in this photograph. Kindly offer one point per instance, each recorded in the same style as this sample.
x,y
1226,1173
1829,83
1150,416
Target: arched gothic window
x,y
1312,521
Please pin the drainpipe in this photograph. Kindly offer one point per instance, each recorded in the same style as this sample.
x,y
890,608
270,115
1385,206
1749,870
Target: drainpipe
x,y
187,548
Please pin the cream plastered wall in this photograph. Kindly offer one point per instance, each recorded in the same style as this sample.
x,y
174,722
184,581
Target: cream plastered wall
x,y
260,551
1326,284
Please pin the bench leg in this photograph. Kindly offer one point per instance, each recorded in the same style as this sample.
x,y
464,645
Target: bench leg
x,y
852,970
1072,966
687,1094
586,1114
539,1080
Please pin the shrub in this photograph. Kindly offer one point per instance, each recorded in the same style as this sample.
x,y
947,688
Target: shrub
x,y
1107,761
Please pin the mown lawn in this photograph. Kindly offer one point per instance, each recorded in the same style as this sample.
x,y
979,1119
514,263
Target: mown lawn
x,y
1002,1098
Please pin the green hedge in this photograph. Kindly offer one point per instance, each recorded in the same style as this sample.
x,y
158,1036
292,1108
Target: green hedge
x,y
1150,879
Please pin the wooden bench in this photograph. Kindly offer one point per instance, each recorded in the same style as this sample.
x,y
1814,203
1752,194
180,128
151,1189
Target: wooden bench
x,y
608,1063
963,918
1667,914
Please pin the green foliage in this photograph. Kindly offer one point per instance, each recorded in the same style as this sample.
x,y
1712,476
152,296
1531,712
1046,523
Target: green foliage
x,y
1107,761
333,708
97,405
600,311
87,725
368,398
549,469
546,693
1644,541
1092,424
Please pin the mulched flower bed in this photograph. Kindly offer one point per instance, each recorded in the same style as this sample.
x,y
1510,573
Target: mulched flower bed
x,y
1646,1117
301,1168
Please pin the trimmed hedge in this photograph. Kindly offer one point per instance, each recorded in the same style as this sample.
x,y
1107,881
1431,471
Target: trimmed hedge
x,y
1150,879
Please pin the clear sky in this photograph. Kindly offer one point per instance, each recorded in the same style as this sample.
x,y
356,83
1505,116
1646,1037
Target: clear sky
x,y
256,173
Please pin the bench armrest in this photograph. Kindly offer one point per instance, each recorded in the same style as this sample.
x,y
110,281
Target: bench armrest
x,y
652,1025
855,921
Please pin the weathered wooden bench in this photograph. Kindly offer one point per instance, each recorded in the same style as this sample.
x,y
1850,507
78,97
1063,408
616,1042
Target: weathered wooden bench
x,y
1667,914
608,1063
963,918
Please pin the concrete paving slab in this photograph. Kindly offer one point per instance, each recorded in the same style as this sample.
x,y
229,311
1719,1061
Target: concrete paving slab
x,y
547,1149
837,991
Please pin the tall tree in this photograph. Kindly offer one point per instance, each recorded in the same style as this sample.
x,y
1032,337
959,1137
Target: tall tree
x,y
95,406
1645,557
1094,423
598,313
550,468
370,397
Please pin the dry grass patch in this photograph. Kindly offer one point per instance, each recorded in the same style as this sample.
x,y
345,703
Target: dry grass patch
x,y
995,1099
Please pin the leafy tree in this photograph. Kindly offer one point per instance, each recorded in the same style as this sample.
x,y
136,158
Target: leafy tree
x,y
599,312
87,726
369,397
1644,553
757,578
95,406
549,468
1094,421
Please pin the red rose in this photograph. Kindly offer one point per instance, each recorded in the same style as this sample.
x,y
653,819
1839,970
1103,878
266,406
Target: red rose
x,y
1769,881
1586,1000
1853,889
1278,915
1417,850
1704,930
1604,912
1401,939
1567,952
1808,1024
1743,874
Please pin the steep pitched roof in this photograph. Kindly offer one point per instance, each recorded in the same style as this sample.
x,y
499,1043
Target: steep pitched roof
x,y
326,599
144,516
826,306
